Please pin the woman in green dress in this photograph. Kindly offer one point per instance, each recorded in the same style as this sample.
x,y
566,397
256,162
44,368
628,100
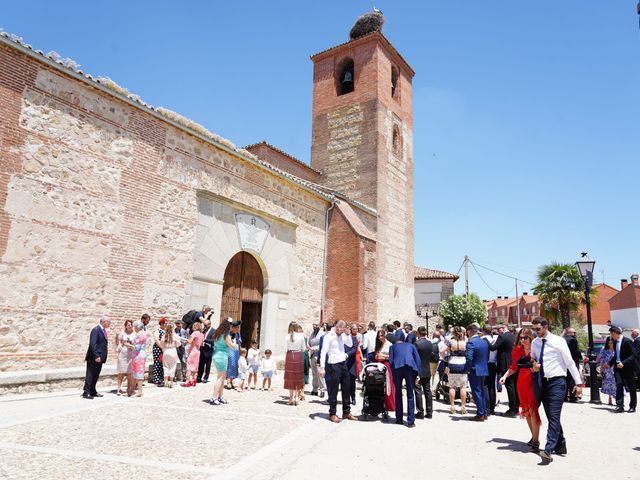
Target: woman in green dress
x,y
221,344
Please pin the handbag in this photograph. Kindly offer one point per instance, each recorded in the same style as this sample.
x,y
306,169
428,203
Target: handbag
x,y
524,362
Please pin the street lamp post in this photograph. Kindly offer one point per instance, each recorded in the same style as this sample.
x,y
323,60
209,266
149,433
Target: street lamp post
x,y
585,266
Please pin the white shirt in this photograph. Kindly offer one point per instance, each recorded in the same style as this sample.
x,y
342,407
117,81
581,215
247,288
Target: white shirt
x,y
253,356
557,357
243,366
493,355
268,365
369,341
333,345
618,345
297,345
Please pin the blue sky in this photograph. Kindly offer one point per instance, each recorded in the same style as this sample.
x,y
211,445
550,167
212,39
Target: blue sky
x,y
526,113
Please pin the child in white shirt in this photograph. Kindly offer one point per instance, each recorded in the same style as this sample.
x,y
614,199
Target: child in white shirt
x,y
253,357
243,366
268,369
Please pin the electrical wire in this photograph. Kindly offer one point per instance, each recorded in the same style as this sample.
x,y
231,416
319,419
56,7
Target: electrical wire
x,y
488,286
458,272
500,273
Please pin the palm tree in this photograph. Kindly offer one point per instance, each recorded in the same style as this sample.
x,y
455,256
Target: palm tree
x,y
560,288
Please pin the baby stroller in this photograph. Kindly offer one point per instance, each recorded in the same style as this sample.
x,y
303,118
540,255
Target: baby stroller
x,y
442,390
374,383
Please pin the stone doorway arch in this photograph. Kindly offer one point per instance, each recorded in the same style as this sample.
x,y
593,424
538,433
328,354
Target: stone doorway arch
x,y
242,294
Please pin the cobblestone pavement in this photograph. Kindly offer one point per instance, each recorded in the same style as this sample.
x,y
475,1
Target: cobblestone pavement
x,y
175,432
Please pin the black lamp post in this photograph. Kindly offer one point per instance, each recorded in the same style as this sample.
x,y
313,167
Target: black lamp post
x,y
585,266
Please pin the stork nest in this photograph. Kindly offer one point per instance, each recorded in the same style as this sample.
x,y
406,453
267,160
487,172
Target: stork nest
x,y
367,23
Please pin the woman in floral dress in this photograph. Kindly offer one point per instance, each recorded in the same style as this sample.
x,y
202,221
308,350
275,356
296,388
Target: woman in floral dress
x,y
124,340
608,377
139,360
234,354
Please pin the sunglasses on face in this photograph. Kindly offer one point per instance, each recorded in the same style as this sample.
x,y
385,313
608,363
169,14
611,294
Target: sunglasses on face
x,y
526,338
538,329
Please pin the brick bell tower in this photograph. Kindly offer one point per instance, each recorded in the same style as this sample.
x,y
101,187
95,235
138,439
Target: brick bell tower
x,y
362,143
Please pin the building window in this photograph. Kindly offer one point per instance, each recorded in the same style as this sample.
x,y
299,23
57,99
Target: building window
x,y
396,141
524,311
533,310
394,82
346,77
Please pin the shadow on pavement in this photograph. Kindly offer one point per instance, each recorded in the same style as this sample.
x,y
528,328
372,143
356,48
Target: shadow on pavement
x,y
510,444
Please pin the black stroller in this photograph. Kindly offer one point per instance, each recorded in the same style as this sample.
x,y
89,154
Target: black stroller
x,y
374,383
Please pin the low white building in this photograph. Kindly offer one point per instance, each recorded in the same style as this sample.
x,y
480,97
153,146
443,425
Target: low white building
x,y
433,286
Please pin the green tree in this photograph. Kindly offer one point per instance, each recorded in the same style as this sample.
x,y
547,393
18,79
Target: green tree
x,y
459,310
561,291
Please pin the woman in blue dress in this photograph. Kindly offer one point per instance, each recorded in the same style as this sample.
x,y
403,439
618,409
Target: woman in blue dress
x,y
234,354
608,377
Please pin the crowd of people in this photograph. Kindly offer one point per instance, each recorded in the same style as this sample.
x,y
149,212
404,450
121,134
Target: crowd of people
x,y
534,366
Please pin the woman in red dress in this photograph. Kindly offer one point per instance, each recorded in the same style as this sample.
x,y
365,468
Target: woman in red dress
x,y
521,363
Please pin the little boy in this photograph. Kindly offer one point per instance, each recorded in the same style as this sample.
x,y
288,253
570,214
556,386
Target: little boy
x,y
268,369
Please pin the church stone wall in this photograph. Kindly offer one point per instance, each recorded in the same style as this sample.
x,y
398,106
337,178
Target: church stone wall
x,y
98,215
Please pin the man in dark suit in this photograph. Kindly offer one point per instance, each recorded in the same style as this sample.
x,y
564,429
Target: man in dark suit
x,y
478,369
624,364
574,348
206,352
423,383
504,346
351,361
95,358
405,365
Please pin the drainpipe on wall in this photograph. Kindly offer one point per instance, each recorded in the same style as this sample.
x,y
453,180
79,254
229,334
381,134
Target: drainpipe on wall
x,y
324,259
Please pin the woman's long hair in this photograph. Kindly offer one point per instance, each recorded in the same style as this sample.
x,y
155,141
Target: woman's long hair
x,y
607,343
524,332
168,334
293,328
380,340
223,329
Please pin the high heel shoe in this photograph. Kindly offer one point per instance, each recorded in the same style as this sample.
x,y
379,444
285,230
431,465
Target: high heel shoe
x,y
463,411
452,410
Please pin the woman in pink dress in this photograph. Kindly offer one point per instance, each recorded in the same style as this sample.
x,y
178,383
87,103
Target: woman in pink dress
x,y
139,360
194,354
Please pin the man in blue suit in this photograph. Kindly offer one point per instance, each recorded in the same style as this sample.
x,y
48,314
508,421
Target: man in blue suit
x,y
405,365
478,369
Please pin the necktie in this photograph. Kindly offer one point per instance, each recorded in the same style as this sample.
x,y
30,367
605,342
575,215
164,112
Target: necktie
x,y
104,332
544,341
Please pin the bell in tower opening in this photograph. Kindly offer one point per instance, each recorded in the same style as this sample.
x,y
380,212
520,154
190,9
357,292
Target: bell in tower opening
x,y
345,78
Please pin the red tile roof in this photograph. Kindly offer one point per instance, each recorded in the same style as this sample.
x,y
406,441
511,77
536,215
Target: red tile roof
x,y
422,273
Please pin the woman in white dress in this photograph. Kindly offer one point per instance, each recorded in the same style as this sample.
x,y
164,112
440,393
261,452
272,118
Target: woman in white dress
x,y
169,344
124,342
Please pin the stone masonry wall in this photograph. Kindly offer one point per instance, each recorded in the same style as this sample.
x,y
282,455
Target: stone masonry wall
x,y
98,214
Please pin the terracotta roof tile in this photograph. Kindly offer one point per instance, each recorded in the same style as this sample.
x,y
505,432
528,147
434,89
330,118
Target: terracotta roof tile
x,y
422,273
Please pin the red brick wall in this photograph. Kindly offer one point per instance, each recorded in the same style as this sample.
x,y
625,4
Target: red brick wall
x,y
14,75
348,257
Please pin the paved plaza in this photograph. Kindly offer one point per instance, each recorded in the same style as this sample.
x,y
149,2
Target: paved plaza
x,y
174,433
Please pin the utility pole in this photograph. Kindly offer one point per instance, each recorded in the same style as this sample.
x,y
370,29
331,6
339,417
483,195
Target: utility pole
x,y
466,277
518,305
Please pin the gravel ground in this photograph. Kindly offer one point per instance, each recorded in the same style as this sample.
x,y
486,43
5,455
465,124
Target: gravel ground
x,y
177,433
